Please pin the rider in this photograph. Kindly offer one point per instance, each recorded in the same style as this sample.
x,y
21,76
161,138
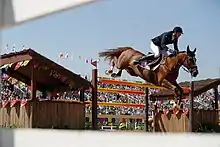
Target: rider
x,y
158,44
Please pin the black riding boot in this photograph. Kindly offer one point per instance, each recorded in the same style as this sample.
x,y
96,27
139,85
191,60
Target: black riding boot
x,y
143,59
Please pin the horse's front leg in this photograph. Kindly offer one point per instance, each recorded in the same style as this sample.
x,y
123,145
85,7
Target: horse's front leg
x,y
165,83
178,92
175,87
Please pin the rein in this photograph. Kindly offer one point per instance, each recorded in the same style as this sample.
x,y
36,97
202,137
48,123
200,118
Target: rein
x,y
189,68
185,69
179,64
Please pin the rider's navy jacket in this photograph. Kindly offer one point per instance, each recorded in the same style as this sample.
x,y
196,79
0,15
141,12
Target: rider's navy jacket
x,y
165,39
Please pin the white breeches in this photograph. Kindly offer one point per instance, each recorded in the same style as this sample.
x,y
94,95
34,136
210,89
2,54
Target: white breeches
x,y
157,51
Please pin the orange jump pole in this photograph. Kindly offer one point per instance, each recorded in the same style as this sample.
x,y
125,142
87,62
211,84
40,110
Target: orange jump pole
x,y
108,81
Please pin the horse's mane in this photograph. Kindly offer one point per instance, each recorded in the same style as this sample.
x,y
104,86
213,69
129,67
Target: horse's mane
x,y
182,52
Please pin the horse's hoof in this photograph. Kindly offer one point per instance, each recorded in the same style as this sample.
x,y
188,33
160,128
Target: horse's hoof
x,y
178,107
181,105
174,106
114,75
108,72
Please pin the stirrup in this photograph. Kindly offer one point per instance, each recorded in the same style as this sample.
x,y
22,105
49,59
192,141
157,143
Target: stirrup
x,y
136,62
143,59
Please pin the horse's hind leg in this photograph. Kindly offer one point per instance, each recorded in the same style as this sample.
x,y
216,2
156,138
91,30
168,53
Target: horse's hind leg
x,y
118,63
117,75
131,72
110,71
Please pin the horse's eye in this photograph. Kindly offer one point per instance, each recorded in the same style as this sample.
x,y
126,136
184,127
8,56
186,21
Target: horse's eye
x,y
193,60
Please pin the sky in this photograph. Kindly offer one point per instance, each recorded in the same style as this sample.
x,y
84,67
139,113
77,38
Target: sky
x,y
87,30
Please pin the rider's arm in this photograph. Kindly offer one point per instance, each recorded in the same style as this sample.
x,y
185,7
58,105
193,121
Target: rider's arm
x,y
175,45
163,41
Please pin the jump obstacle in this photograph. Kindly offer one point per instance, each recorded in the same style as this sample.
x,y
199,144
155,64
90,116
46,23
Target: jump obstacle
x,y
41,111
188,121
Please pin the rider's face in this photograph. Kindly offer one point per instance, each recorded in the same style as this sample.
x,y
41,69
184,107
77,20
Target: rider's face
x,y
177,35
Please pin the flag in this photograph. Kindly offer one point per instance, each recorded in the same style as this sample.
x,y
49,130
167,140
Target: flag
x,y
165,111
86,61
60,55
6,48
4,103
18,65
94,63
13,102
66,56
13,48
23,47
25,63
23,103
185,111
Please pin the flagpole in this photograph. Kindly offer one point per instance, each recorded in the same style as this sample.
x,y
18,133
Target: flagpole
x,y
219,72
219,77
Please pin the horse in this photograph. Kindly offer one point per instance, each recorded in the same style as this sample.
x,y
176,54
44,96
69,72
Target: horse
x,y
164,73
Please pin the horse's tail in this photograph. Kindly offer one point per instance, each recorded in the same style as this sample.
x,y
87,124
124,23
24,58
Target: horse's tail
x,y
111,53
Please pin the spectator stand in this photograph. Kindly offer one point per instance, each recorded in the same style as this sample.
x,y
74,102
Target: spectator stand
x,y
44,110
202,100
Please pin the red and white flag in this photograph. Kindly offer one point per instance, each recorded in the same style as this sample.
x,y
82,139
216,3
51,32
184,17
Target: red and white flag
x,y
94,63
5,103
23,103
13,102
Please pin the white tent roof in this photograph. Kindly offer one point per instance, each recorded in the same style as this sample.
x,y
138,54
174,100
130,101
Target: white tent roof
x,y
14,12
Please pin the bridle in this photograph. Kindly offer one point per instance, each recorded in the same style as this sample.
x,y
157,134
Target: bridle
x,y
187,69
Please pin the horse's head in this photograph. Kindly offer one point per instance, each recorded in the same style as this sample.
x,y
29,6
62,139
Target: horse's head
x,y
190,62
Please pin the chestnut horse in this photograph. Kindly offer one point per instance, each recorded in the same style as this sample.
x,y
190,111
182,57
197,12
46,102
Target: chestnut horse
x,y
165,74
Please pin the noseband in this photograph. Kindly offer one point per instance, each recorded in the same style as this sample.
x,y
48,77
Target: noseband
x,y
188,69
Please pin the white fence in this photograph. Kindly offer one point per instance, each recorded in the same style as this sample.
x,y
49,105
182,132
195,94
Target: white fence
x,y
58,138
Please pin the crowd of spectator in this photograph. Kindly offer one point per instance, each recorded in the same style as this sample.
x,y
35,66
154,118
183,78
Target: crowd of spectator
x,y
15,90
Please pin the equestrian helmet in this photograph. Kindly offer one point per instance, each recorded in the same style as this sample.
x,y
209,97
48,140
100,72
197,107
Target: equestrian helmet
x,y
178,29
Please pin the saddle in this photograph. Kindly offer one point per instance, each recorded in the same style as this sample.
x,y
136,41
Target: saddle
x,y
152,61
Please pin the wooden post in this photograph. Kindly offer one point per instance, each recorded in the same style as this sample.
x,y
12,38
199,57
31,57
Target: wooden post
x,y
216,97
191,98
94,99
81,95
216,105
154,117
146,108
33,83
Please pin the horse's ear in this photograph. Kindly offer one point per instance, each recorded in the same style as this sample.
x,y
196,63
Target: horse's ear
x,y
188,50
194,51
